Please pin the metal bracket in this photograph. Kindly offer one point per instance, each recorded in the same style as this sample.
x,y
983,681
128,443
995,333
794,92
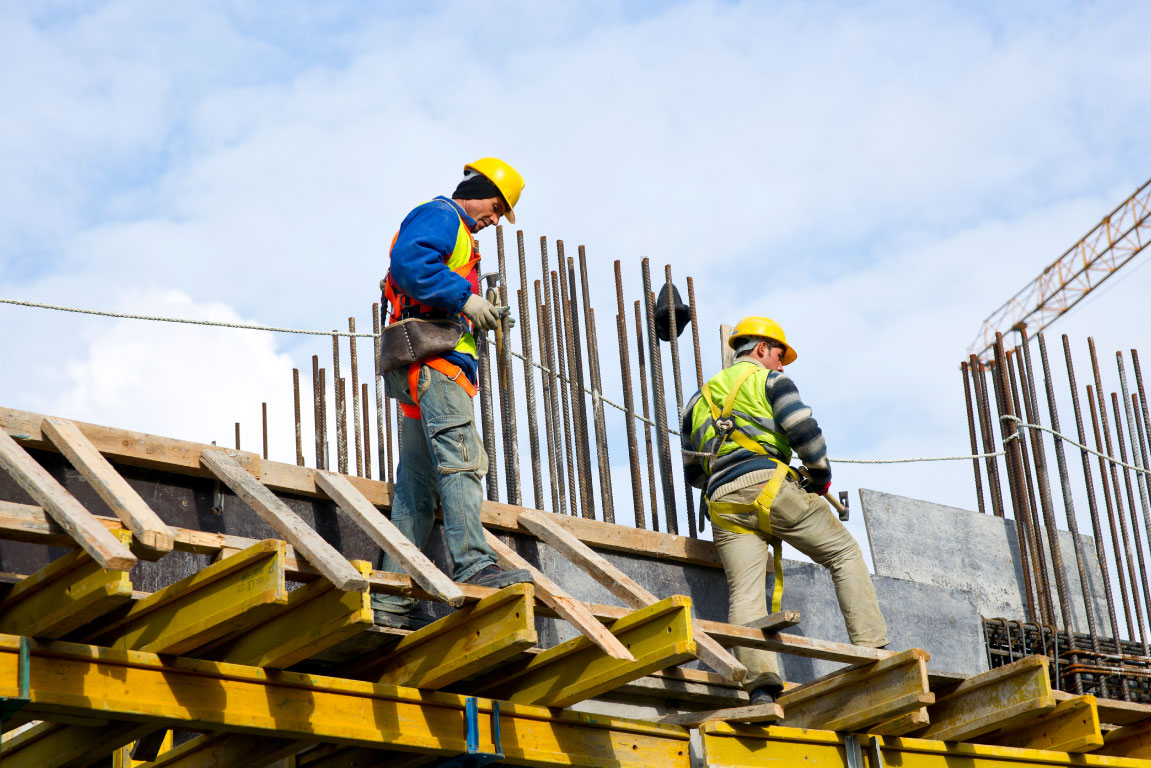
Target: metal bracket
x,y
852,751
474,757
10,705
845,501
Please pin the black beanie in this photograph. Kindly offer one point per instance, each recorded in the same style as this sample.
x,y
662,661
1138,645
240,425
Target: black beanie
x,y
476,186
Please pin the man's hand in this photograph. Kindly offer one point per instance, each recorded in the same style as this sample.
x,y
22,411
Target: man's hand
x,y
817,481
483,314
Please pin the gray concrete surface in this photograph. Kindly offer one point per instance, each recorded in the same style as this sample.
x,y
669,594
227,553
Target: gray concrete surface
x,y
957,549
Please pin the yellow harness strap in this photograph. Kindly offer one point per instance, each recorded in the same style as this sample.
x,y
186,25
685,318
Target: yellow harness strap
x,y
762,507
718,414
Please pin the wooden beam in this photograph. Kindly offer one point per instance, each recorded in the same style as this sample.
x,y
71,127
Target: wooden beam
x,y
52,745
1002,698
389,538
236,593
64,595
183,457
623,586
1131,741
1073,726
71,679
556,598
334,756
857,698
285,522
25,522
222,749
465,643
909,722
315,617
658,636
751,713
64,509
1114,712
120,497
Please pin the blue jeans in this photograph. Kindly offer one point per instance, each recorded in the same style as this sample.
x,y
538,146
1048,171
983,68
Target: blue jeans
x,y
442,462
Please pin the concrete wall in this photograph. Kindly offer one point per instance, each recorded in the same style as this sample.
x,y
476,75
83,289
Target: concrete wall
x,y
962,550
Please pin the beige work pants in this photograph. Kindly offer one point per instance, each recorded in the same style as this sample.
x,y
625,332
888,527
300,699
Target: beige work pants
x,y
807,522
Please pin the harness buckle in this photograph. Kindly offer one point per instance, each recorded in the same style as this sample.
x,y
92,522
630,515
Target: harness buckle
x,y
724,425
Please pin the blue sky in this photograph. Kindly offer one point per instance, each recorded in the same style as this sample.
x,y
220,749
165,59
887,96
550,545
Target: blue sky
x,y
878,177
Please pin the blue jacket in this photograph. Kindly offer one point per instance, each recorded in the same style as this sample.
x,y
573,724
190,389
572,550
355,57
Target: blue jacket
x,y
419,255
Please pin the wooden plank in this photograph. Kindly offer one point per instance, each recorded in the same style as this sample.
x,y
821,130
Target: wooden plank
x,y
64,595
24,522
315,617
183,457
1132,741
1073,726
1004,697
120,497
220,749
52,745
623,586
389,538
285,522
774,622
752,713
236,593
64,509
72,679
555,597
860,697
658,636
666,690
1113,711
468,642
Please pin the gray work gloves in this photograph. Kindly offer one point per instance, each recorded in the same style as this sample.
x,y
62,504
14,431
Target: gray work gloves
x,y
483,314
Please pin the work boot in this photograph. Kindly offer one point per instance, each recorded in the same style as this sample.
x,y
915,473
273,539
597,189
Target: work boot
x,y
497,578
400,620
765,694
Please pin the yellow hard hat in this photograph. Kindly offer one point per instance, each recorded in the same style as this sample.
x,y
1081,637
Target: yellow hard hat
x,y
507,180
763,327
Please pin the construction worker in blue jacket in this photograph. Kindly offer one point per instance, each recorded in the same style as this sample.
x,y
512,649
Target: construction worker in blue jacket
x,y
739,434
434,274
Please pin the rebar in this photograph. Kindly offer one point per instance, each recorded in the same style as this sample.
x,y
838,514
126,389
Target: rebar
x,y
628,402
574,372
299,428
487,422
560,364
237,435
1092,508
341,407
1134,581
1069,508
355,396
660,405
1137,450
607,499
1010,434
1146,431
264,414
557,394
695,332
677,379
647,441
1137,540
1122,554
316,419
367,434
555,471
1040,456
507,384
383,415
963,370
525,326
979,377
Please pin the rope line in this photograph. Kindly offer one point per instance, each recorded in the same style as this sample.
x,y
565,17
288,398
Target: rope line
x,y
274,329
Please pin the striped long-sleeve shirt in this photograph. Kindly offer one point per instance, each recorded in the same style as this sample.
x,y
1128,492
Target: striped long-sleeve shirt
x,y
791,415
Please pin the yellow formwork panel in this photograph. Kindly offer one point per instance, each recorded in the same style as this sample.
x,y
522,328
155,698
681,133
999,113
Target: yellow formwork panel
x,y
55,745
1129,741
73,680
658,636
316,617
1001,698
234,593
467,642
1073,726
728,746
65,595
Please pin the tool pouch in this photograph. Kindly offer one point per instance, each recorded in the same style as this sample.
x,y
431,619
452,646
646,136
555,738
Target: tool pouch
x,y
409,341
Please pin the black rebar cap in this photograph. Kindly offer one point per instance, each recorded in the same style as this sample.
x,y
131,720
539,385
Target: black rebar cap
x,y
682,314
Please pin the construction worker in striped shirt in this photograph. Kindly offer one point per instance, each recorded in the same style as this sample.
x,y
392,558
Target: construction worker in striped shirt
x,y
742,429
434,275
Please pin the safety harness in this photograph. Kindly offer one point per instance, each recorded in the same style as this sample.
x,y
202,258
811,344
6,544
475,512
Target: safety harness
x,y
451,370
725,426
